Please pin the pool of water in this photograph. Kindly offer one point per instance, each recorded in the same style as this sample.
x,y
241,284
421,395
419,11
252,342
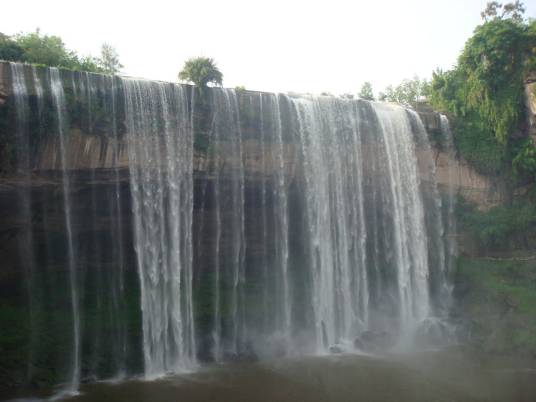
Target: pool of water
x,y
440,376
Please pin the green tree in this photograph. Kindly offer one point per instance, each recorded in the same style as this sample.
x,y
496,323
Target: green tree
x,y
109,60
87,63
9,49
201,71
366,91
408,92
483,94
45,49
514,11
50,51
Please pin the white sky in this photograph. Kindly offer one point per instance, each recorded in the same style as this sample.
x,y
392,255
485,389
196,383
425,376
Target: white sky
x,y
271,45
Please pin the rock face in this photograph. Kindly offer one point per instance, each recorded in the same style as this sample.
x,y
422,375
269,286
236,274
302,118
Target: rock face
x,y
481,190
429,117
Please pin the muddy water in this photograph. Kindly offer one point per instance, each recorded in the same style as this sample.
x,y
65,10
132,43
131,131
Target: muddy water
x,y
446,376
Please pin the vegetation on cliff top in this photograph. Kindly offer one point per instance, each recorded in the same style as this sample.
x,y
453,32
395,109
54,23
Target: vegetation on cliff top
x,y
366,91
483,94
201,71
49,50
408,92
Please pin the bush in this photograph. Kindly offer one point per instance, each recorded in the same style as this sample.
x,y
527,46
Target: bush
x,y
483,95
502,228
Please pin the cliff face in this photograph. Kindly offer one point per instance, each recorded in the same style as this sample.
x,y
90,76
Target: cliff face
x,y
233,187
92,146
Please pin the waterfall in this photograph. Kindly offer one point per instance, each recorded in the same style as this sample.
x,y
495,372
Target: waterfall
x,y
450,227
229,247
159,131
331,149
25,197
281,240
58,98
158,229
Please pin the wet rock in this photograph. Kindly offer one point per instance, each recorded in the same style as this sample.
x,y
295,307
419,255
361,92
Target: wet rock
x,y
335,349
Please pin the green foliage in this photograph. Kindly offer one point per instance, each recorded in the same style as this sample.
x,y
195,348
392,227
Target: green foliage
x,y
408,92
497,298
492,64
49,50
9,49
201,71
483,94
502,228
366,91
475,144
524,161
109,60
514,11
44,49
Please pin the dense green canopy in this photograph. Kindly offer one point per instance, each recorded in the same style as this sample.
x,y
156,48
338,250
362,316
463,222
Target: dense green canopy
x,y
483,95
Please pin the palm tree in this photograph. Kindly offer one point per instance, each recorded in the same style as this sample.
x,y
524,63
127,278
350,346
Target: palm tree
x,y
201,71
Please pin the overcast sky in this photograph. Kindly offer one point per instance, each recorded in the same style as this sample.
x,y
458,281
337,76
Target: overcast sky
x,y
271,45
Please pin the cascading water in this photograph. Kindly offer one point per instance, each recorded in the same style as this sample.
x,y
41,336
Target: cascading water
x,y
159,131
58,99
283,312
73,275
331,150
449,219
228,196
24,196
240,224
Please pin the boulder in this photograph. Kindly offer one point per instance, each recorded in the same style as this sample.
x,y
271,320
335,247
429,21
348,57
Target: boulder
x,y
335,349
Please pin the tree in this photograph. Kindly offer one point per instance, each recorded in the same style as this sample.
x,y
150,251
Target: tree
x,y
491,10
407,93
45,49
109,60
483,96
9,49
49,50
201,71
366,91
36,48
513,11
